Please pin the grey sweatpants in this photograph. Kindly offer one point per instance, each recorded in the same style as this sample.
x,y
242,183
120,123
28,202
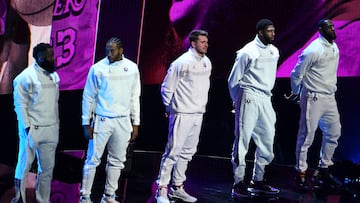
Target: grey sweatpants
x,y
41,141
183,138
114,134
254,118
317,110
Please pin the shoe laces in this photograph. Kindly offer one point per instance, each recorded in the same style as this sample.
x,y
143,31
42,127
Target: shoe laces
x,y
180,190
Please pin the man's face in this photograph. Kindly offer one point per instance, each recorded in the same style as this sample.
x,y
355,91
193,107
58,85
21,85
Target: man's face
x,y
113,52
268,34
48,60
328,31
200,45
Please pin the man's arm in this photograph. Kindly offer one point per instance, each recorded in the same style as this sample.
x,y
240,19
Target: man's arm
x,y
135,100
88,99
21,100
304,63
88,104
237,73
169,85
135,107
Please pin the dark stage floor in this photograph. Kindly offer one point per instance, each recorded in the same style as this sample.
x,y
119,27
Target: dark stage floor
x,y
209,179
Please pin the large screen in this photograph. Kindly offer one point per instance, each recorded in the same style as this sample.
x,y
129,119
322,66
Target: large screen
x,y
231,24
70,26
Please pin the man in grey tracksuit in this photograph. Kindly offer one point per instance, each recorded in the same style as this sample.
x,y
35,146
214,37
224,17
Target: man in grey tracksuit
x,y
110,117
314,77
185,94
250,83
36,95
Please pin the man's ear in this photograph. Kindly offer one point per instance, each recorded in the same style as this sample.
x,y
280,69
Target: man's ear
x,y
261,33
320,29
192,43
40,58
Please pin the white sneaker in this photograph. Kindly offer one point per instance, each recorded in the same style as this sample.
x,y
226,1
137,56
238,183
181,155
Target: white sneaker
x,y
180,193
108,199
161,195
85,199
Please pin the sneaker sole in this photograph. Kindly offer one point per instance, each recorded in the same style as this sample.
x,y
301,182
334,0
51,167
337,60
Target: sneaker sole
x,y
262,192
252,194
174,198
156,200
237,195
263,198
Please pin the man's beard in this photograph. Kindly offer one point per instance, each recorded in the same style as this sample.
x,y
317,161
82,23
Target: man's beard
x,y
329,36
269,40
48,66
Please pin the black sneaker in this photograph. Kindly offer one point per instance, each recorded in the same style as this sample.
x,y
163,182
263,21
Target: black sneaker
x,y
239,190
301,181
260,188
322,179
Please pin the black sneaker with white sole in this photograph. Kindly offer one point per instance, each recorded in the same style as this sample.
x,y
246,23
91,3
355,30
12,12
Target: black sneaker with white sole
x,y
323,180
260,188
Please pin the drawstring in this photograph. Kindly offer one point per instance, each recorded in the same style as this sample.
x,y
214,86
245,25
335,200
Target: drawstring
x,y
315,98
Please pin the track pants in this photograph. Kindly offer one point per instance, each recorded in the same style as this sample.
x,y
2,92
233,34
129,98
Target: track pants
x,y
41,141
183,138
254,118
317,110
114,134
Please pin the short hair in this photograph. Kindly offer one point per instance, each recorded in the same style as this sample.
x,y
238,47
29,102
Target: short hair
x,y
39,49
116,41
193,36
322,22
262,24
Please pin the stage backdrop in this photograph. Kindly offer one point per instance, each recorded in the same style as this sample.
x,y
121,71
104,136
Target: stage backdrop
x,y
231,24
73,36
70,26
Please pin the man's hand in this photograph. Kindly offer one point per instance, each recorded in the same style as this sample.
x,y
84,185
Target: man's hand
x,y
88,131
134,133
292,97
167,111
27,130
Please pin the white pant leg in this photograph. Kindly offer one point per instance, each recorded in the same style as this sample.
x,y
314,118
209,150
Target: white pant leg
x,y
117,146
26,156
179,128
96,146
47,139
311,111
246,115
263,137
331,128
194,122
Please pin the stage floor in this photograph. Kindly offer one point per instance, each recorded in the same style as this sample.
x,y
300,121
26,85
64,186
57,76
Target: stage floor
x,y
208,178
